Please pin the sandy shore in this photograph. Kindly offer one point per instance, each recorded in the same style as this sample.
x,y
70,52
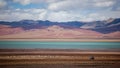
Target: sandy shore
x,y
65,53
66,40
59,51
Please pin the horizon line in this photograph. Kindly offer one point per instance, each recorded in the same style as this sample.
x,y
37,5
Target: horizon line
x,y
55,21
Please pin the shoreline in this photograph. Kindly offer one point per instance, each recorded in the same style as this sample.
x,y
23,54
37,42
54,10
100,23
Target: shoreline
x,y
58,51
63,40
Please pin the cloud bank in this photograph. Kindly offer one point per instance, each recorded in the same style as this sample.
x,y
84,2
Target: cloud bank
x,y
59,10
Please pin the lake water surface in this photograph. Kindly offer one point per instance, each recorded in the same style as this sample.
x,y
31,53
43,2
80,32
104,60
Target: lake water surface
x,y
59,45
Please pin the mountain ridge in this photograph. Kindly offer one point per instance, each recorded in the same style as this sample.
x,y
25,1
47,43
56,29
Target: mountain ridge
x,y
43,29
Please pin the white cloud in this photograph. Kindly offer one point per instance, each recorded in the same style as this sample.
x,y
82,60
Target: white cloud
x,y
104,3
60,16
63,16
101,10
80,4
2,3
111,14
62,10
67,5
23,2
102,15
19,14
52,1
26,2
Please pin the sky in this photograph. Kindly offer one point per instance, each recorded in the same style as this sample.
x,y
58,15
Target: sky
x,y
59,10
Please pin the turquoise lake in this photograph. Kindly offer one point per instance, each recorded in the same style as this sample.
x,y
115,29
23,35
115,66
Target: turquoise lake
x,y
60,45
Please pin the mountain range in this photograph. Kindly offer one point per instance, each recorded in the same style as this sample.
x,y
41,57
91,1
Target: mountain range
x,y
46,29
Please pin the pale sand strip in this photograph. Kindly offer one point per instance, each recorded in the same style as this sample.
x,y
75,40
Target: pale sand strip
x,y
65,40
55,52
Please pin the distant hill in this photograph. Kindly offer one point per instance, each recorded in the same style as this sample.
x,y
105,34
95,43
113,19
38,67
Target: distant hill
x,y
31,24
109,27
75,29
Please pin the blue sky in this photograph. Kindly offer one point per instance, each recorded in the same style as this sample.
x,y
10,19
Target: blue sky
x,y
59,10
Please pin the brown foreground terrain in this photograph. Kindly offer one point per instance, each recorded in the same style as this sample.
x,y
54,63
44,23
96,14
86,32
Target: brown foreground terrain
x,y
59,58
